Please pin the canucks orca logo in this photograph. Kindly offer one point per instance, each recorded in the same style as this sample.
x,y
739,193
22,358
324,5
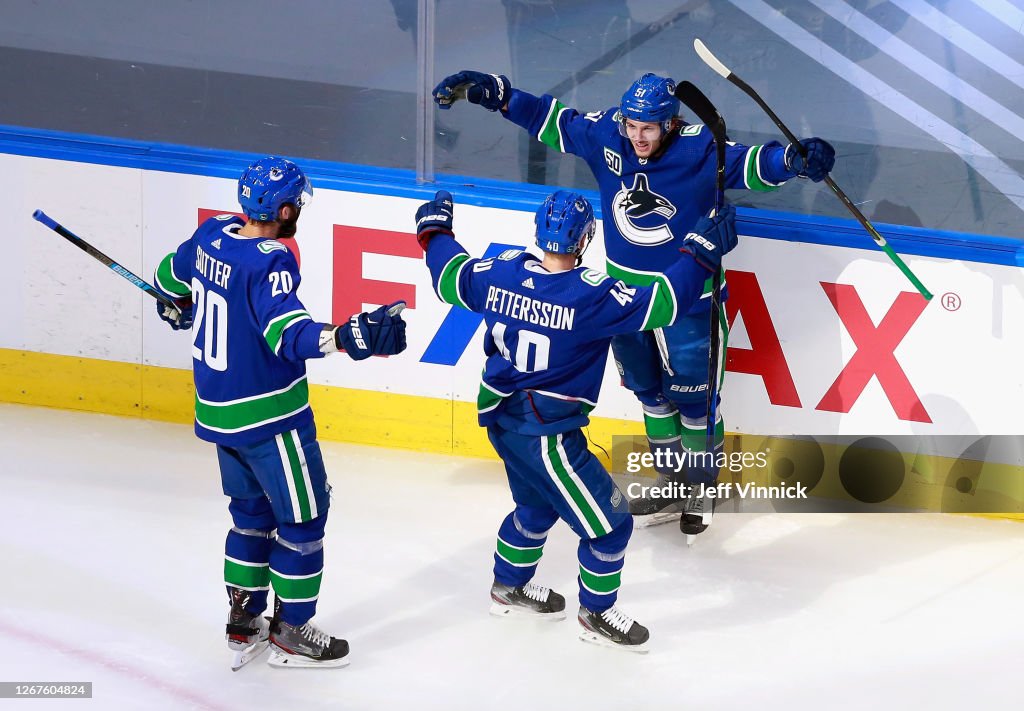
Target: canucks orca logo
x,y
637,211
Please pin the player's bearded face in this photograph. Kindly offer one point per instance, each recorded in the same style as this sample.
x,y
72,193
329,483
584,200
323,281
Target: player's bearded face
x,y
645,137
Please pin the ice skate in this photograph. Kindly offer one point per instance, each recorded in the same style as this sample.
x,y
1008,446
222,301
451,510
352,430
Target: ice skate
x,y
698,511
305,646
247,634
611,628
528,600
656,510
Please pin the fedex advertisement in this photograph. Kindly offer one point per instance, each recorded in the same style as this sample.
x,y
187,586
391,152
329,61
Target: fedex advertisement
x,y
824,340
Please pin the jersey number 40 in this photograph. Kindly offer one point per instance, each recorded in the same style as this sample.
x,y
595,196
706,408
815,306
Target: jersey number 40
x,y
526,342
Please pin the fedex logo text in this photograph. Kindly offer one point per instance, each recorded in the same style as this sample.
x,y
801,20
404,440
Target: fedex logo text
x,y
766,359
874,357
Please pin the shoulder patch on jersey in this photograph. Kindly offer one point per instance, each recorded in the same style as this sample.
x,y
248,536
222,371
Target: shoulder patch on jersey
x,y
509,254
593,277
271,245
691,129
224,218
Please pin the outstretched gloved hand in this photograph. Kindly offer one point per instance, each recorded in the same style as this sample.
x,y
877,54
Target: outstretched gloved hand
x,y
379,332
491,91
819,161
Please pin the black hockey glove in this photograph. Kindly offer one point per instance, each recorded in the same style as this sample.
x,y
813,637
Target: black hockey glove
x,y
434,217
819,161
711,238
492,91
379,332
180,318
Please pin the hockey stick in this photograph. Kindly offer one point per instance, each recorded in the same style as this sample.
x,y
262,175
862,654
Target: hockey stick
x,y
99,256
719,68
709,116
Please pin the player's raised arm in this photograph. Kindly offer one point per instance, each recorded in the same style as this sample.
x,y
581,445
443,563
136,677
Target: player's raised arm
x,y
293,335
544,117
766,167
458,279
625,309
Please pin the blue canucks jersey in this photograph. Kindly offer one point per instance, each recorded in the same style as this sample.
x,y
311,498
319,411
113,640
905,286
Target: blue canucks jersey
x,y
648,205
251,335
548,333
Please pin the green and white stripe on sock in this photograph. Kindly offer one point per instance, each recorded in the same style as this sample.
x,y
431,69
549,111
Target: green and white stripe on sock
x,y
600,583
695,433
296,588
662,426
519,556
572,488
245,575
296,475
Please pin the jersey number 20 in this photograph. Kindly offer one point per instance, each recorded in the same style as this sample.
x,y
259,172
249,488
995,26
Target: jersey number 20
x,y
212,314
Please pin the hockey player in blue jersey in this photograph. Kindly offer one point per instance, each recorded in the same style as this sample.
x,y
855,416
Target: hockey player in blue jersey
x,y
656,177
251,336
549,323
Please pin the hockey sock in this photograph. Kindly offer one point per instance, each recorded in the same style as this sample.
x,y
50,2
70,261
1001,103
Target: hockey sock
x,y
246,565
296,569
662,423
695,440
601,561
519,549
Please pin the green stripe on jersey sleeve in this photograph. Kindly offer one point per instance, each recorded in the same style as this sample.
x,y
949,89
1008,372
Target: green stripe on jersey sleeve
x,y
663,307
448,283
550,134
276,328
488,398
752,172
167,281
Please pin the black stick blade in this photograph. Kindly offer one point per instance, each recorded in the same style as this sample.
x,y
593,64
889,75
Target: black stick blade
x,y
701,106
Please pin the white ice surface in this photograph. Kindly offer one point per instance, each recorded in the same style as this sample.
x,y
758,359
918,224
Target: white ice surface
x,y
112,563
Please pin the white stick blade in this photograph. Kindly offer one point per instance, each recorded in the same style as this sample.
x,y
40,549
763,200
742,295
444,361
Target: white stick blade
x,y
709,59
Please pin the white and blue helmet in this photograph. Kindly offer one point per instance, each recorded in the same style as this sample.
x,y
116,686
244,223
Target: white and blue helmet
x,y
268,184
565,223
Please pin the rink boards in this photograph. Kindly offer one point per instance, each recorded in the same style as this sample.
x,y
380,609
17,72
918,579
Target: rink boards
x,y
827,338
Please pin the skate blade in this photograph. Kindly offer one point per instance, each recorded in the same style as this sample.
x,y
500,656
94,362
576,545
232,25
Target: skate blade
x,y
657,519
283,660
499,610
247,655
601,641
